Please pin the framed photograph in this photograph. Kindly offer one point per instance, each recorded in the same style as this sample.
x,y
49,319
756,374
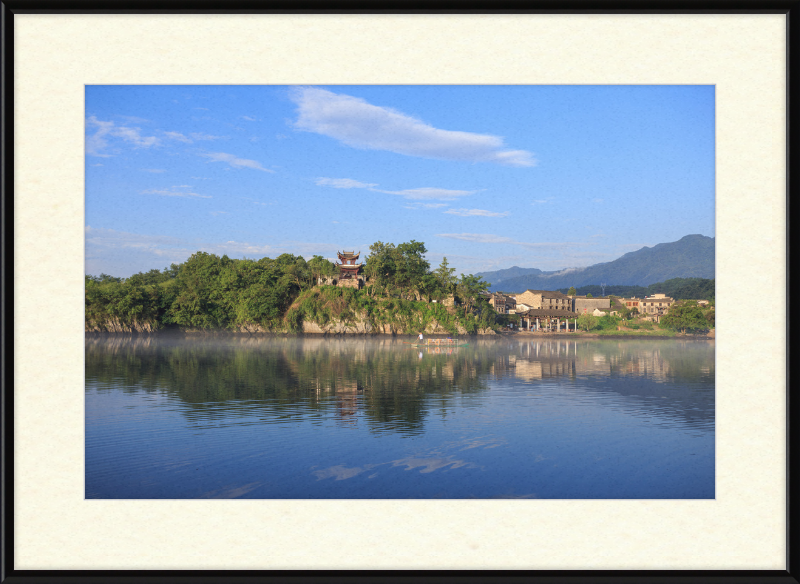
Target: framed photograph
x,y
442,243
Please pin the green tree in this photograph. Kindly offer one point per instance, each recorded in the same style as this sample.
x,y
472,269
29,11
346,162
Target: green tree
x,y
469,289
321,268
589,295
380,264
444,274
685,316
587,322
411,265
572,291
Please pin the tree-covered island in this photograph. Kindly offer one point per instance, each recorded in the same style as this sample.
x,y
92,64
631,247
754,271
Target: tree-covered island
x,y
402,295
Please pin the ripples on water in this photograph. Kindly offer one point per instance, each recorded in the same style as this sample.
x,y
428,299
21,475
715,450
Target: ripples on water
x,y
376,418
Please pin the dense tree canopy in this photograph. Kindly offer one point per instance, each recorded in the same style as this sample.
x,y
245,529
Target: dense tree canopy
x,y
212,292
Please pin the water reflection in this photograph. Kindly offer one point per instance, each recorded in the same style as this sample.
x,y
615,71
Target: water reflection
x,y
392,385
281,417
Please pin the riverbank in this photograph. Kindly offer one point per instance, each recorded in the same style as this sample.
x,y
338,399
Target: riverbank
x,y
490,334
626,334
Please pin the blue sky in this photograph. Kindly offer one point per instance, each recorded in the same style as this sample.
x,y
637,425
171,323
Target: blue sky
x,y
547,177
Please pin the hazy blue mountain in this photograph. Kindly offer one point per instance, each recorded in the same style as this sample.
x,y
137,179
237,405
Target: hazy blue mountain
x,y
512,272
690,257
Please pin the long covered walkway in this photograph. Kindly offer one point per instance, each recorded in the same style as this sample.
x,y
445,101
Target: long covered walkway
x,y
547,320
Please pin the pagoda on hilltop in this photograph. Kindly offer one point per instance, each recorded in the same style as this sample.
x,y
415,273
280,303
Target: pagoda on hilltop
x,y
349,271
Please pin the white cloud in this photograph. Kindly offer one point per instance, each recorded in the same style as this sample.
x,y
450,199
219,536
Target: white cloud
x,y
177,136
110,238
425,193
475,213
238,248
359,124
154,170
490,238
250,118
215,213
426,205
98,164
98,142
343,183
235,161
541,201
175,193
201,136
477,237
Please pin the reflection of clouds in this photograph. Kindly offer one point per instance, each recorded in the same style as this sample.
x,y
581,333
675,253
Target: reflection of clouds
x,y
230,492
341,473
425,464
485,442
432,464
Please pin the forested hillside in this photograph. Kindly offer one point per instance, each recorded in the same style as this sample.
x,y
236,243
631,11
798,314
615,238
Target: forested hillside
x,y
677,288
209,292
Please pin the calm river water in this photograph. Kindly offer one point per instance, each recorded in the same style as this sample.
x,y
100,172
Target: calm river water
x,y
369,418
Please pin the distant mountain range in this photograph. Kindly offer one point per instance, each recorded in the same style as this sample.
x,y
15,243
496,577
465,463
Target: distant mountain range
x,y
689,257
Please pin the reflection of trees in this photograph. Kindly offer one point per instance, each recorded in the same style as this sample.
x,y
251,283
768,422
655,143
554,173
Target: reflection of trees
x,y
290,377
385,381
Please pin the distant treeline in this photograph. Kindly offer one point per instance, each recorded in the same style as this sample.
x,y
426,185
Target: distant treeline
x,y
212,292
677,288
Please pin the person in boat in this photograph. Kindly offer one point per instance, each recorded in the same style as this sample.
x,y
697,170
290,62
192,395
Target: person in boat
x,y
420,337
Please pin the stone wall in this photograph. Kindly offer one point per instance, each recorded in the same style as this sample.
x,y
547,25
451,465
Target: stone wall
x,y
579,304
350,283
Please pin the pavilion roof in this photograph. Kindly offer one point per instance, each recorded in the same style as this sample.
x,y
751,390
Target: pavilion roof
x,y
350,255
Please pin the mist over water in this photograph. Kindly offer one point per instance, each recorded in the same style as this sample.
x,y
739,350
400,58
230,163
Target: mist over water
x,y
362,417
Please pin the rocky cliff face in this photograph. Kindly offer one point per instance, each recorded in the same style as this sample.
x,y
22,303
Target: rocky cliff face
x,y
360,327
114,325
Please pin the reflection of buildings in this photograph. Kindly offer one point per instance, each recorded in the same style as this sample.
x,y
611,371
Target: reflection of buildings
x,y
546,359
347,400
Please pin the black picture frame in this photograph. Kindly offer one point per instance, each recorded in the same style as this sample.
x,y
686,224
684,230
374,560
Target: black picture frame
x,y
11,575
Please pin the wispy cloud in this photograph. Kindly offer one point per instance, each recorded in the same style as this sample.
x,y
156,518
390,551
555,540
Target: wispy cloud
x,y
97,143
250,118
215,213
477,237
475,213
200,136
490,238
179,191
422,193
235,161
597,200
135,119
426,205
238,248
177,136
425,193
154,170
343,183
357,123
110,238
